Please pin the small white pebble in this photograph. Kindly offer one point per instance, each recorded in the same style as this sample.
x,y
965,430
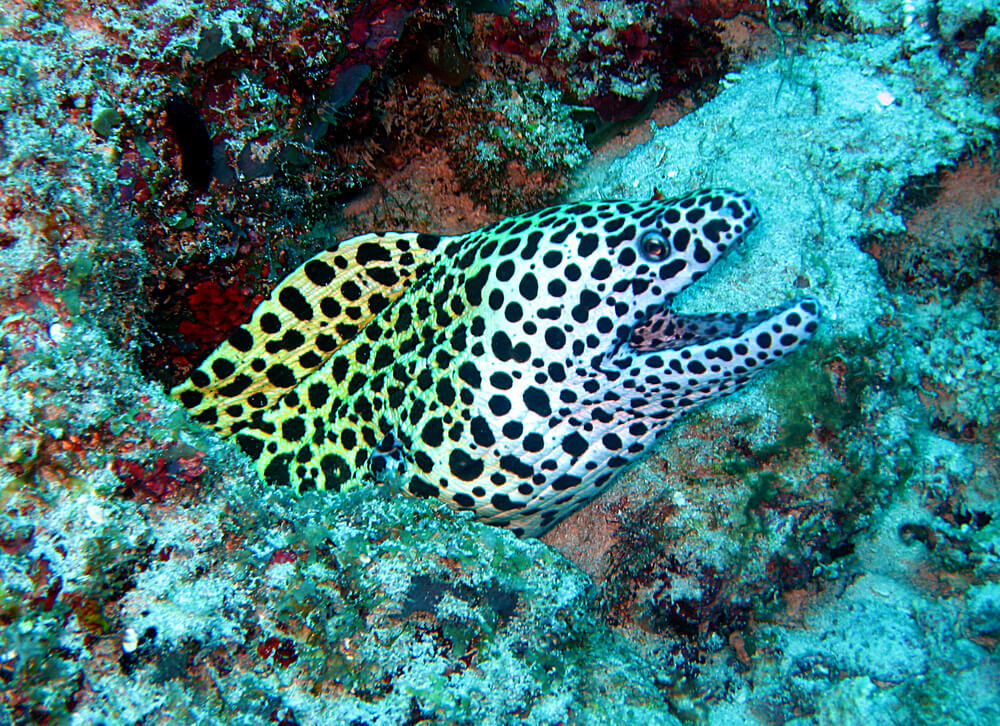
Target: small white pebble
x,y
886,98
130,640
679,499
95,513
57,332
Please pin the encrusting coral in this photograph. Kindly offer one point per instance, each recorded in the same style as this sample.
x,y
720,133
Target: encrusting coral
x,y
820,549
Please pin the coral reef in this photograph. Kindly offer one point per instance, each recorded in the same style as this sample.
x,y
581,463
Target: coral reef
x,y
299,612
615,57
822,549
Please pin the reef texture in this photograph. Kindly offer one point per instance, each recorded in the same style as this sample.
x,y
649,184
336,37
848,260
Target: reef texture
x,y
823,548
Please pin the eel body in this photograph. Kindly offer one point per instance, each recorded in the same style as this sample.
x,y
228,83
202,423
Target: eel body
x,y
511,371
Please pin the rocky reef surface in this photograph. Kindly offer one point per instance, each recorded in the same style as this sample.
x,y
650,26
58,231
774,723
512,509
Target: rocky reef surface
x,y
822,548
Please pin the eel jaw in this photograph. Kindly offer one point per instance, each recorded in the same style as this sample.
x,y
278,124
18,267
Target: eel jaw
x,y
666,329
718,351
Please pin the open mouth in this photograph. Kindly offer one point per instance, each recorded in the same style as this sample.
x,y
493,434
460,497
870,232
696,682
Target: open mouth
x,y
666,329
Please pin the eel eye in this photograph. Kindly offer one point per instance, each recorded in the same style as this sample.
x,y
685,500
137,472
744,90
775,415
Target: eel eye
x,y
653,246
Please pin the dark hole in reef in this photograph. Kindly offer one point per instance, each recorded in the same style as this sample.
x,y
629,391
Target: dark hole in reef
x,y
976,519
974,29
911,533
192,137
843,549
990,258
967,431
437,44
426,592
144,650
680,617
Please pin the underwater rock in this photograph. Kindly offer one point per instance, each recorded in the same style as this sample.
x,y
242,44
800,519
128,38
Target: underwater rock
x,y
149,576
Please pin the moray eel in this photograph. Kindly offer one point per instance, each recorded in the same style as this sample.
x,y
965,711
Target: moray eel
x,y
511,371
